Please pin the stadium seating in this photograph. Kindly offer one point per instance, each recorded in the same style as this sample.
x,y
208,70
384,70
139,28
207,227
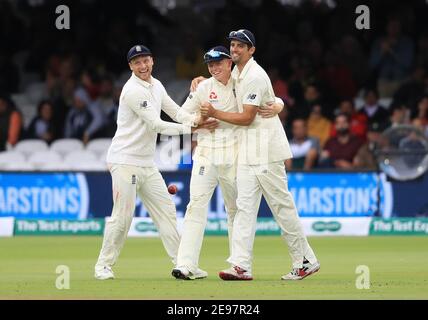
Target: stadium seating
x,y
89,165
64,146
18,166
39,158
8,157
79,156
99,146
29,146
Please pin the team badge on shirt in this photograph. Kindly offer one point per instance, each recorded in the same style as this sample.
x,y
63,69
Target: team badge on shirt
x,y
143,104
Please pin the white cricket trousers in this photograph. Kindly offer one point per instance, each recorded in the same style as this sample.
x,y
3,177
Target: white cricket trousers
x,y
271,181
211,167
147,182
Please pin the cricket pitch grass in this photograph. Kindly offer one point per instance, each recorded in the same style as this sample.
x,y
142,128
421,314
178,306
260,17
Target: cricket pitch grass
x,y
397,269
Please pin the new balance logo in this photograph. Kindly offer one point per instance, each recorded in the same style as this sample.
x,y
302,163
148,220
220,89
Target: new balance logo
x,y
251,96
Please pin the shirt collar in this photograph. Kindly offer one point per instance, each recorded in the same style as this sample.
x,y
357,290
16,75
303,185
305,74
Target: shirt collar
x,y
142,82
229,82
235,73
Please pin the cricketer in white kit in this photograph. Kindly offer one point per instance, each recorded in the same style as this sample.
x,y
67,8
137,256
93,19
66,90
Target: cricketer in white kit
x,y
130,160
215,160
261,171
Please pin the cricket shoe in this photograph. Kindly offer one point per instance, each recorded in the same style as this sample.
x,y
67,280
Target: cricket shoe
x,y
104,273
235,273
184,274
301,273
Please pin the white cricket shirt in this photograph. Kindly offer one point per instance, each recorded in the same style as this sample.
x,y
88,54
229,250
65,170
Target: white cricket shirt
x,y
138,122
265,140
222,97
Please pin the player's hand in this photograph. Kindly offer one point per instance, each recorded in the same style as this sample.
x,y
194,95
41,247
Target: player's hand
x,y
195,83
270,110
207,109
208,124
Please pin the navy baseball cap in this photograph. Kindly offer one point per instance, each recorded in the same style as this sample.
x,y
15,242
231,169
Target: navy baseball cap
x,y
216,54
138,50
243,35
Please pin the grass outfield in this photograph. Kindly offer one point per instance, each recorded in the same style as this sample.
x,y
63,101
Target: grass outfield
x,y
398,270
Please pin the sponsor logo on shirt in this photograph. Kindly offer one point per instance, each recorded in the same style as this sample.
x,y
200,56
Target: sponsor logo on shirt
x,y
190,96
213,95
143,104
251,96
134,179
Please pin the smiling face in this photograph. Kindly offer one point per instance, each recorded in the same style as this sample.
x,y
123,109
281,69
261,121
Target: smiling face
x,y
240,52
220,70
142,67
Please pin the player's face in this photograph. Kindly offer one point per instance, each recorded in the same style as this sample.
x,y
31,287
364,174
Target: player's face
x,y
142,67
240,52
220,70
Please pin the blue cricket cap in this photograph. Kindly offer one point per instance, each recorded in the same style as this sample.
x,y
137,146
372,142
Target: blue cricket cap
x,y
216,54
243,35
138,50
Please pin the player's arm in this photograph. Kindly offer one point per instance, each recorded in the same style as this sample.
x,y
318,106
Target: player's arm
x,y
179,114
142,106
195,82
252,99
271,109
244,118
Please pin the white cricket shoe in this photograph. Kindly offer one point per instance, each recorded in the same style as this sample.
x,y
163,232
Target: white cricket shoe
x,y
104,273
235,273
299,274
185,274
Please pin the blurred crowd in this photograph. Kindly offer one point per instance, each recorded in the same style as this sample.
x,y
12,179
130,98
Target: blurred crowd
x,y
343,87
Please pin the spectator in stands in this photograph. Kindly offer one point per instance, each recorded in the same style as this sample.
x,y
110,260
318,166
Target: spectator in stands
x,y
10,123
337,76
420,119
108,103
365,157
305,149
358,120
339,151
318,125
43,125
399,114
391,58
374,112
90,82
354,58
85,120
413,88
312,96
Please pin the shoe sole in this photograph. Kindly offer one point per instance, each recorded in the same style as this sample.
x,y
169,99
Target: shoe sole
x,y
102,278
230,277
